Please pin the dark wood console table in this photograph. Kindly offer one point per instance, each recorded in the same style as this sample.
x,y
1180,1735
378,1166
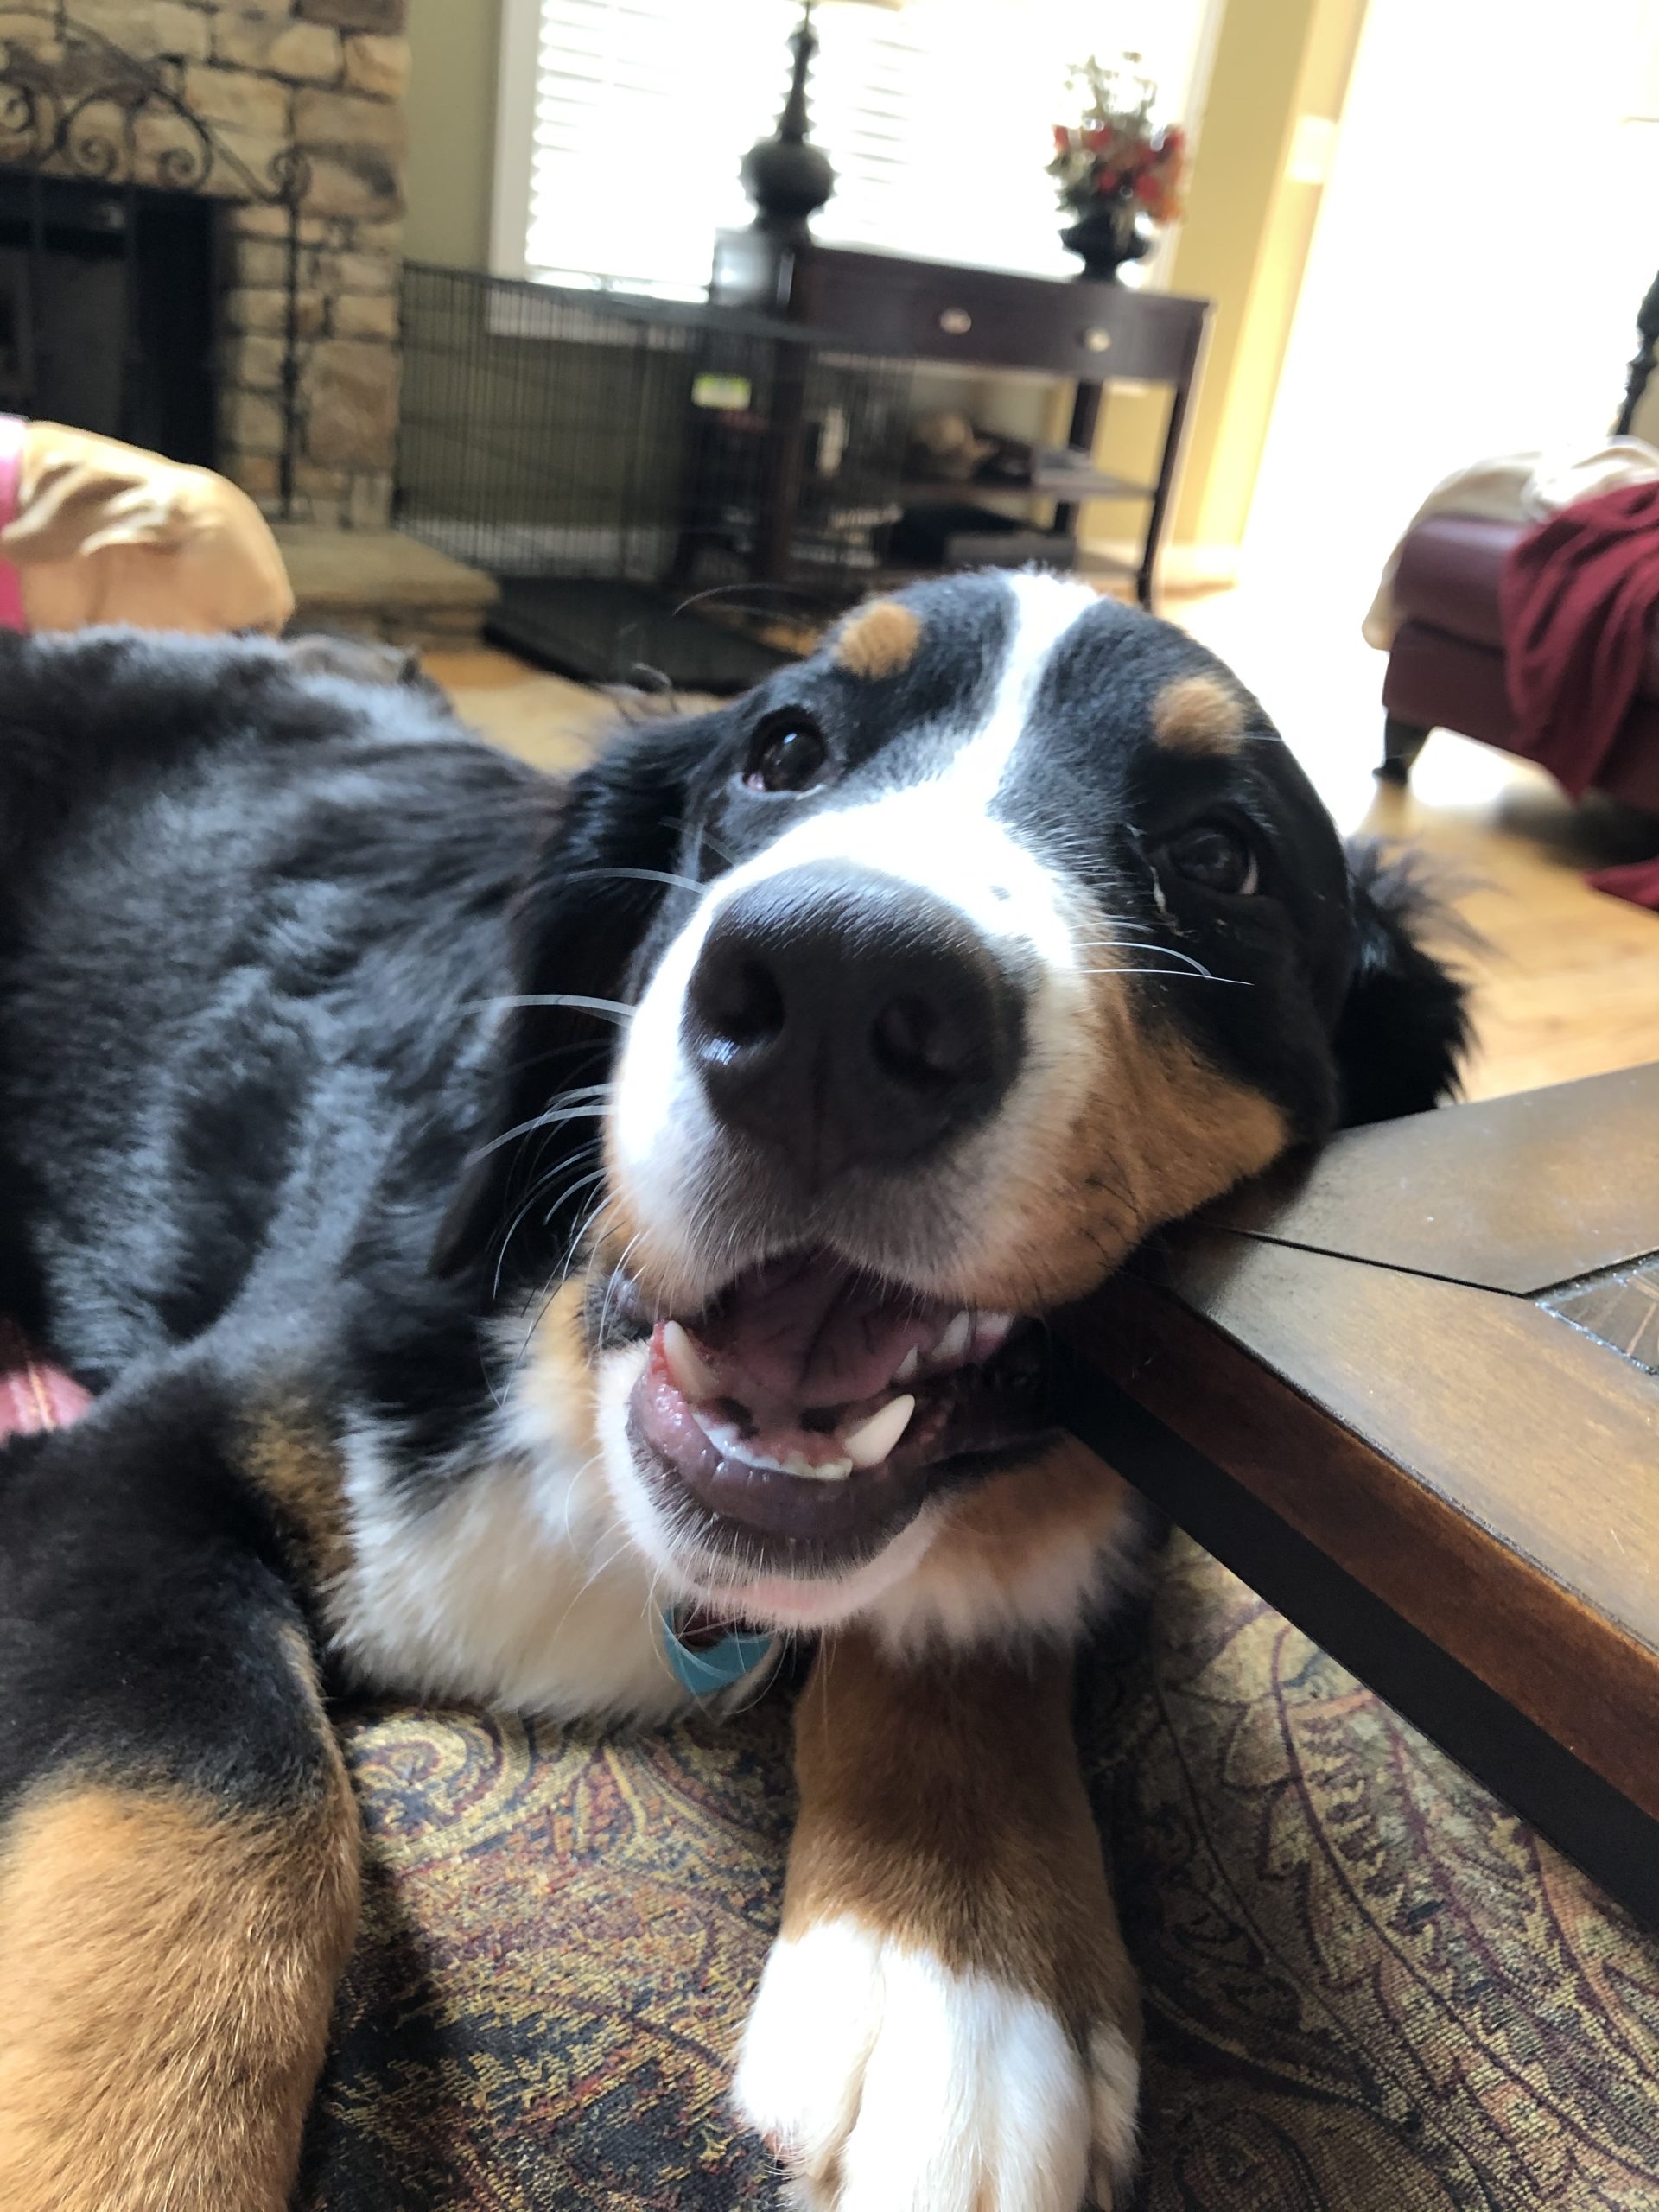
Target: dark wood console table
x,y
926,311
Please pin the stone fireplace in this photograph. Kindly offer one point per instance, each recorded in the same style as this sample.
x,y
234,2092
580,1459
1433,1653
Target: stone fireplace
x,y
287,115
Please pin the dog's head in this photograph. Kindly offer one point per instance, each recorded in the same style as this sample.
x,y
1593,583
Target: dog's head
x,y
870,1019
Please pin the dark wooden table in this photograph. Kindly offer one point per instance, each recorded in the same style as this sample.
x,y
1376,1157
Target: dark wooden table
x,y
1409,1391
933,311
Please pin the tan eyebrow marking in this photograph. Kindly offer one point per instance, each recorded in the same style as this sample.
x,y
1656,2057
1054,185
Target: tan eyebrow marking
x,y
879,639
1197,714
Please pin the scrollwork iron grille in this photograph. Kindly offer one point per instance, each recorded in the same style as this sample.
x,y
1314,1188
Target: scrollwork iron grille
x,y
88,110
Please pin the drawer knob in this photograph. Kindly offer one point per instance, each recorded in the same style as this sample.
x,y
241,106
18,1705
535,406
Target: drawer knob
x,y
956,322
1096,340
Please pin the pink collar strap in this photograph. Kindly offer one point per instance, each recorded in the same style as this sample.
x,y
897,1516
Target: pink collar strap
x,y
12,428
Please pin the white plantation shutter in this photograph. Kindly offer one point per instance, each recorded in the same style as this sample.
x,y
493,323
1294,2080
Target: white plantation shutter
x,y
624,122
643,109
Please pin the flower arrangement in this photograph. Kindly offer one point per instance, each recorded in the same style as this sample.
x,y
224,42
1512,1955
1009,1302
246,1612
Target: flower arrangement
x,y
1116,153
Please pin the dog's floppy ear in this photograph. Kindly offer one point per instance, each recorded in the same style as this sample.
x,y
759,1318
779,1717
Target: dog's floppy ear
x,y
575,927
1404,1024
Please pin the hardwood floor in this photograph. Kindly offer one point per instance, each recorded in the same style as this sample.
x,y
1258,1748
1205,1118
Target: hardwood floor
x,y
553,724
1568,984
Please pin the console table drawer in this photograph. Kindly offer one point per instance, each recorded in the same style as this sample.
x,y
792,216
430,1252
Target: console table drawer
x,y
1083,330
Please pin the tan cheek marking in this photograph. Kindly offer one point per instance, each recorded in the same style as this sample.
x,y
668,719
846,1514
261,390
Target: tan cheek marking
x,y
941,1804
1159,1132
998,1536
879,639
288,1454
168,1971
1197,714
1198,1131
559,1375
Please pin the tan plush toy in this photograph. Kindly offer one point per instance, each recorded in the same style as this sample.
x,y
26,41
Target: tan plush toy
x,y
93,531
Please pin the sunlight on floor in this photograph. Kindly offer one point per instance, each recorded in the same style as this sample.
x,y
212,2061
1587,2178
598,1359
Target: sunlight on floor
x,y
546,720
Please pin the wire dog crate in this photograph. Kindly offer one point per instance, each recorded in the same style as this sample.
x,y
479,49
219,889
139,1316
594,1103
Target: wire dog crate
x,y
608,460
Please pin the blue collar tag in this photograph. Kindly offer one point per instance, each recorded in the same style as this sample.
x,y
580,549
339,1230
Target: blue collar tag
x,y
717,1666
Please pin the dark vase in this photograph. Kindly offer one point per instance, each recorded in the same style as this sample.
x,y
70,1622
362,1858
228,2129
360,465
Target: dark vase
x,y
1109,232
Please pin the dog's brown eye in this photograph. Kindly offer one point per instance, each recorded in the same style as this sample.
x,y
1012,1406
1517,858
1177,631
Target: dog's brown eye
x,y
1215,858
788,753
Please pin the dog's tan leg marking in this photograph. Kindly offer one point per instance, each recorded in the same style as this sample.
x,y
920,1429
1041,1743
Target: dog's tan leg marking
x,y
948,2022
878,639
288,1455
1197,713
168,1969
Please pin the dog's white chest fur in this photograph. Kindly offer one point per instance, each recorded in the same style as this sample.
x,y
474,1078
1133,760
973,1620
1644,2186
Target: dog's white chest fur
x,y
512,1585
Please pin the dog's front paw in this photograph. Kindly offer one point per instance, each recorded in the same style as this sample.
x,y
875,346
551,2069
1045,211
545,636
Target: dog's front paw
x,y
890,2083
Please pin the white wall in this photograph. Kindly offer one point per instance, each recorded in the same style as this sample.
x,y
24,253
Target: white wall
x,y
1490,227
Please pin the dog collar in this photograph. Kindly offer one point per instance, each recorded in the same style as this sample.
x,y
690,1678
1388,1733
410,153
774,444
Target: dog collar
x,y
704,1667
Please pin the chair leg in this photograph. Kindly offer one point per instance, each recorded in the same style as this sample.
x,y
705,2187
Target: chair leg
x,y
1402,743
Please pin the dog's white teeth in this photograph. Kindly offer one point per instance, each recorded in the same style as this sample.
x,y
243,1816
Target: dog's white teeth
x,y
692,1375
910,1366
991,1332
828,1471
731,1445
868,1444
954,1344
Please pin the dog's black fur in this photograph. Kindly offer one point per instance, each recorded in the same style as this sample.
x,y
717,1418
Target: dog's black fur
x,y
256,924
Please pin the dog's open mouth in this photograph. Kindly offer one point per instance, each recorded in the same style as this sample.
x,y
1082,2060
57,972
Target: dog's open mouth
x,y
811,1408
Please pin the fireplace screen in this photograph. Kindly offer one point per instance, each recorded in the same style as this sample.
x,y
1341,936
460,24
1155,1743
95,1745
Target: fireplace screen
x,y
108,182
107,312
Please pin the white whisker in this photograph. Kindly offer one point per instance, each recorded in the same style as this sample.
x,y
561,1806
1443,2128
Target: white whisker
x,y
542,1121
615,1008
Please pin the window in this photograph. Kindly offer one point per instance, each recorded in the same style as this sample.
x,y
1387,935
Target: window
x,y
622,124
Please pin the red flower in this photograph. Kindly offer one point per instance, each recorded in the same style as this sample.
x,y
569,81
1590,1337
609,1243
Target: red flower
x,y
1146,190
1098,141
1062,139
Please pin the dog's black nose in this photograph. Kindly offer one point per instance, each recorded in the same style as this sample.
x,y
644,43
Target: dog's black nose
x,y
844,1018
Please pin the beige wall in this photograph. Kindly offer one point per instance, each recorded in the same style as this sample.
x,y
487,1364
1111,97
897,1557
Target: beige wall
x,y
451,110
1244,246
1247,248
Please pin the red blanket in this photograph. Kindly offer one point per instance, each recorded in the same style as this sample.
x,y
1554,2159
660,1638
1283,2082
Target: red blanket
x,y
1577,599
1637,880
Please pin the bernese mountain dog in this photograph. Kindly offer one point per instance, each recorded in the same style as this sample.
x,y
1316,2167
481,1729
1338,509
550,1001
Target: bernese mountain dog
x,y
546,1245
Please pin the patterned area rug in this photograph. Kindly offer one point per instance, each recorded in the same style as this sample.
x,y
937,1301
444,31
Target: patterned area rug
x,y
1368,1987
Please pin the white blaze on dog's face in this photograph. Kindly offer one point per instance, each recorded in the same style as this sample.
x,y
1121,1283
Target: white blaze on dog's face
x,y
999,933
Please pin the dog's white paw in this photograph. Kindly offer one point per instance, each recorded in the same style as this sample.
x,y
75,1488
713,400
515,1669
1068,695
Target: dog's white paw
x,y
891,2084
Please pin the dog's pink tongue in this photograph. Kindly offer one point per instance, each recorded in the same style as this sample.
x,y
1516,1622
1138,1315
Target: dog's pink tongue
x,y
808,1332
